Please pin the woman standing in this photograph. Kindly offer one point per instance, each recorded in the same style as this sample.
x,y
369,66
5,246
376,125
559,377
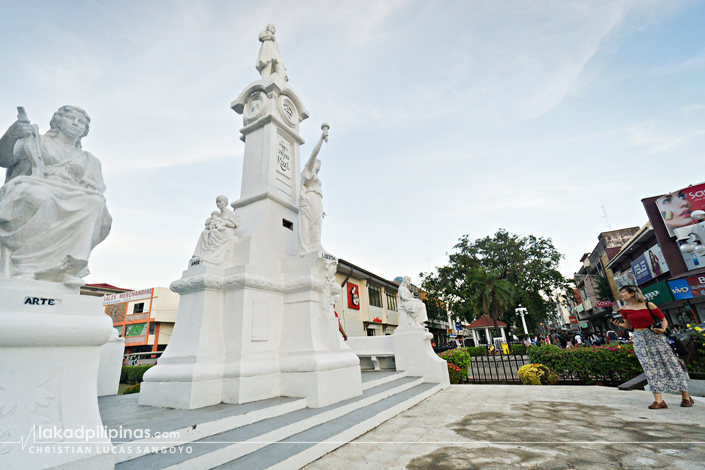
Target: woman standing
x,y
662,368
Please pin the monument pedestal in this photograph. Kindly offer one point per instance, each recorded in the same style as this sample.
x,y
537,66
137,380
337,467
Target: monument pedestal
x,y
313,363
414,354
189,373
50,344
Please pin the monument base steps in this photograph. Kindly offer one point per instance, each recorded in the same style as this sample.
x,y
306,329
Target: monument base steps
x,y
249,389
182,395
273,433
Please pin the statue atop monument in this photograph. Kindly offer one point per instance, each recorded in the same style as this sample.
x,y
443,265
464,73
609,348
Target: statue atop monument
x,y
414,308
52,208
219,232
310,200
269,60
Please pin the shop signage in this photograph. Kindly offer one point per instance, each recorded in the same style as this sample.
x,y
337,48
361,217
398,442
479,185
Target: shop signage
x,y
573,319
688,288
137,329
377,320
127,296
353,296
642,272
625,279
676,207
659,293
604,303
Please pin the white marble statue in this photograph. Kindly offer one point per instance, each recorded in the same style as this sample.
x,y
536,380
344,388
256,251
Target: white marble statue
x,y
414,308
269,60
331,289
311,200
52,208
219,232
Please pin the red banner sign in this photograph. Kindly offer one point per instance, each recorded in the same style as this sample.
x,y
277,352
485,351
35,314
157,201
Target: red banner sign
x,y
573,319
604,303
353,296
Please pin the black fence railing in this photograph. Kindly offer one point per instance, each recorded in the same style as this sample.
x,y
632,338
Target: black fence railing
x,y
503,369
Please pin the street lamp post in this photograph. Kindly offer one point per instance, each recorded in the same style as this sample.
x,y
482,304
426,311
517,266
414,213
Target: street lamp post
x,y
522,311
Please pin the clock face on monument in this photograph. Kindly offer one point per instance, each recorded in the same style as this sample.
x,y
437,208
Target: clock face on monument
x,y
288,111
255,106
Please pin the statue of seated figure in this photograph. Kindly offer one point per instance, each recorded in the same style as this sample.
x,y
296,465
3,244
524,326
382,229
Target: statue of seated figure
x,y
414,308
216,238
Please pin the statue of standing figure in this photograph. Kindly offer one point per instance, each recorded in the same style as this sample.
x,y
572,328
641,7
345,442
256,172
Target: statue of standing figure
x,y
414,308
219,232
52,208
311,200
269,60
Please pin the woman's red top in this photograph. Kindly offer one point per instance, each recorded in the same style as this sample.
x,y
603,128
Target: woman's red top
x,y
641,318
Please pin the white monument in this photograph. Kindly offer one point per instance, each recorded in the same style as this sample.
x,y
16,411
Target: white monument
x,y
258,324
110,366
311,201
52,214
413,310
412,342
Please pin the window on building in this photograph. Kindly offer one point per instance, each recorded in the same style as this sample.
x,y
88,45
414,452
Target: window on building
x,y
370,332
152,327
391,301
375,294
139,308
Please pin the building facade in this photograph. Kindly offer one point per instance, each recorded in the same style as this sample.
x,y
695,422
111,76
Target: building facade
x,y
145,318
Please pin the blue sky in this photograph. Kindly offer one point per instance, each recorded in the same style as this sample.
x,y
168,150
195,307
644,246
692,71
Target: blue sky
x,y
447,118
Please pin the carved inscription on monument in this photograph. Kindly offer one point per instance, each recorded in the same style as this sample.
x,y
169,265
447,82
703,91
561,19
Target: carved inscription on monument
x,y
284,157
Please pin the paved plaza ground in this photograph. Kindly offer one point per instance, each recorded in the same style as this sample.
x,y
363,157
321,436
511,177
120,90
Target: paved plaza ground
x,y
493,427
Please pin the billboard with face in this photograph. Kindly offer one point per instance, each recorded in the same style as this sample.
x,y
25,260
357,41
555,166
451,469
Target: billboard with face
x,y
676,208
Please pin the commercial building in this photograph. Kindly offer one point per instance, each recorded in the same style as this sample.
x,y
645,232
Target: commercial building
x,y
593,310
368,304
642,262
145,318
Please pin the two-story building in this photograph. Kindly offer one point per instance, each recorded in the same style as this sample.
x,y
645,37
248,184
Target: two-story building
x,y
145,318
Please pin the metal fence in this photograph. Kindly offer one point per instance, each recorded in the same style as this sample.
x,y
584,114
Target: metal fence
x,y
502,369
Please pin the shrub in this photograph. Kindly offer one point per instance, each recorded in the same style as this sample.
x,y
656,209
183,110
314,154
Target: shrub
x,y
134,389
610,364
123,374
537,374
476,351
454,373
696,366
133,374
518,348
459,357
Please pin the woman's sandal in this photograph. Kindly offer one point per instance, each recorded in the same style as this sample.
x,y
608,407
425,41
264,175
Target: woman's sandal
x,y
687,403
657,406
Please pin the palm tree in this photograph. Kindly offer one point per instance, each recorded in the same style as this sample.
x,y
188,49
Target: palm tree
x,y
490,295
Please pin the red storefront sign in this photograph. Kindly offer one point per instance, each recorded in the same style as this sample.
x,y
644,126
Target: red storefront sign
x,y
353,296
697,285
573,319
604,303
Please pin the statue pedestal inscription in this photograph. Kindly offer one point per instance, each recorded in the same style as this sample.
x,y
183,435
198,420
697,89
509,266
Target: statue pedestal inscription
x,y
257,325
49,355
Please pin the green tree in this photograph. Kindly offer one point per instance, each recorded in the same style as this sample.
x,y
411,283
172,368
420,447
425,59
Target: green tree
x,y
530,264
491,295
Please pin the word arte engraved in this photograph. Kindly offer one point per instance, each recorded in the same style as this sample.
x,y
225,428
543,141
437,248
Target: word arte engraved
x,y
41,301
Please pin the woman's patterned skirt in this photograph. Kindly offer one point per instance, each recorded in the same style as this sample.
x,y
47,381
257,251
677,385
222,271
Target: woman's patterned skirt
x,y
661,366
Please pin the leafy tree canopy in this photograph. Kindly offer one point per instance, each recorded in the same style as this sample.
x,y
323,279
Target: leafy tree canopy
x,y
529,264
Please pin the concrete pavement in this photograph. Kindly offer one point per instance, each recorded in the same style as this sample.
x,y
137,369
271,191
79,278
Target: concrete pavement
x,y
492,427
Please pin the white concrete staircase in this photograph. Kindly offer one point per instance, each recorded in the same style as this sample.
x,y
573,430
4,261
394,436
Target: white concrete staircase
x,y
279,433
